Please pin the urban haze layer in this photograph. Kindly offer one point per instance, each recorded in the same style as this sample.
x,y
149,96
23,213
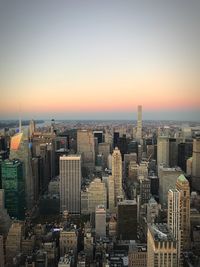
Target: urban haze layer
x,y
100,193
104,168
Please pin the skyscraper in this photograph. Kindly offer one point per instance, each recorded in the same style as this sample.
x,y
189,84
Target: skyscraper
x,y
117,173
127,220
163,151
97,195
20,148
70,183
174,219
85,147
183,186
139,124
161,246
32,128
167,180
100,221
196,164
14,186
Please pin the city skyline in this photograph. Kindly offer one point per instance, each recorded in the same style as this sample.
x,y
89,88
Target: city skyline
x,y
99,60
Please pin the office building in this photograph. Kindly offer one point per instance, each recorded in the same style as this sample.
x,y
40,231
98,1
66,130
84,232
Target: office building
x,y
161,246
96,195
127,159
174,220
137,255
104,150
127,220
86,148
133,171
143,169
13,242
183,186
154,181
70,183
184,153
100,221
123,145
111,194
68,241
99,136
145,190
21,149
163,151
14,188
196,164
173,152
167,180
117,173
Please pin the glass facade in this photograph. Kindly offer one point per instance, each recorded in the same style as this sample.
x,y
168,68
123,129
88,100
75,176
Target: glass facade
x,y
14,187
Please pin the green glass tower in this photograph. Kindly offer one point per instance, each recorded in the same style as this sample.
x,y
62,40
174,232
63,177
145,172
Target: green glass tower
x,y
14,187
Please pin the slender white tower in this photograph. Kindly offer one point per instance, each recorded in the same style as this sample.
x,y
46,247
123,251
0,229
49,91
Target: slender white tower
x,y
139,123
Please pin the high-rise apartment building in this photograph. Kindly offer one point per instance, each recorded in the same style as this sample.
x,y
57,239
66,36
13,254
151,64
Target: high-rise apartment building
x,y
161,246
139,124
70,183
14,187
196,164
117,173
86,147
183,186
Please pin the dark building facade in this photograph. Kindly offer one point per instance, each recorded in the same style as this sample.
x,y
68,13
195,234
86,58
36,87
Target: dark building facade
x,y
184,153
127,220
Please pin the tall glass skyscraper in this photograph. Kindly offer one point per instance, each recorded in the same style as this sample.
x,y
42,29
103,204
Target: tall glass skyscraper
x,y
14,186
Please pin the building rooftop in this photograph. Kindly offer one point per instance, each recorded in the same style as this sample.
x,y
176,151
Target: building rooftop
x,y
127,202
161,232
11,163
182,178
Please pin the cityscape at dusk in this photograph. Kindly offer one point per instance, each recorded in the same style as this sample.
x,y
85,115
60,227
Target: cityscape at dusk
x,y
99,133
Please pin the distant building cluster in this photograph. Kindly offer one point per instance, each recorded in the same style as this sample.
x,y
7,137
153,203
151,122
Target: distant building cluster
x,y
118,194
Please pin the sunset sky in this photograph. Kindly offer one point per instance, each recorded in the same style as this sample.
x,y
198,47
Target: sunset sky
x,y
71,59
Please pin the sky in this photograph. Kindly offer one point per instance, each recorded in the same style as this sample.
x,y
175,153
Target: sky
x,y
70,59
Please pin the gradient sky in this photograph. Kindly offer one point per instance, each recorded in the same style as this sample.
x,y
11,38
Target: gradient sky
x,y
71,59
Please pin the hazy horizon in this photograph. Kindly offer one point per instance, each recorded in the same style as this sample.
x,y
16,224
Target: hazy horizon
x,y
131,116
